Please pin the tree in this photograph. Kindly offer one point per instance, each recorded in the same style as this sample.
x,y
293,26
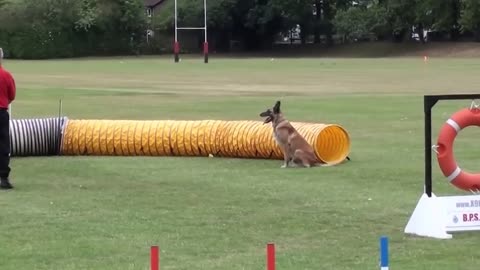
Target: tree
x,y
68,28
292,12
401,17
361,21
254,22
470,17
325,22
441,16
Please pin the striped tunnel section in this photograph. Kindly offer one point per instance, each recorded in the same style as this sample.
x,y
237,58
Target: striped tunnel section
x,y
36,137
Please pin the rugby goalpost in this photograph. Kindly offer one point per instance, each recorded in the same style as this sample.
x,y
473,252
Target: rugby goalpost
x,y
176,46
438,217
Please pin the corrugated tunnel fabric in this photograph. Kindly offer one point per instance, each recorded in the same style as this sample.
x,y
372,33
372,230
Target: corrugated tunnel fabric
x,y
240,139
36,137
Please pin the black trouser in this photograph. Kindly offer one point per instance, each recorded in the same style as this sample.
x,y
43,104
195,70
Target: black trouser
x,y
4,143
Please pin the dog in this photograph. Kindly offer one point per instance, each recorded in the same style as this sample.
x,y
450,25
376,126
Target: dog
x,y
296,150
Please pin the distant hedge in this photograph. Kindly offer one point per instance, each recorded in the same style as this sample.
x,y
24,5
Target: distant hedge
x,y
67,28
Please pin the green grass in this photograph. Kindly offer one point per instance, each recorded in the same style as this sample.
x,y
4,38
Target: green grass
x,y
105,212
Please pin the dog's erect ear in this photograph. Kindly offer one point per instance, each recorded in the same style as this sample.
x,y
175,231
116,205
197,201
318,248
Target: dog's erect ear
x,y
276,108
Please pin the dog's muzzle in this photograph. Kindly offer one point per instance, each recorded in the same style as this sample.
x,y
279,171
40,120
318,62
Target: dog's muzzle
x,y
268,120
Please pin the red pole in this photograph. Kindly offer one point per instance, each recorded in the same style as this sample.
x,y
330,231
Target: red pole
x,y
154,264
270,256
205,52
176,51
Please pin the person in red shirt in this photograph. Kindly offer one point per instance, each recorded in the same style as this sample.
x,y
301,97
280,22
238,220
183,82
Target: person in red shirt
x,y
7,95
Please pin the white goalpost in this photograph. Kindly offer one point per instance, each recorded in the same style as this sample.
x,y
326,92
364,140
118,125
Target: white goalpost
x,y
176,48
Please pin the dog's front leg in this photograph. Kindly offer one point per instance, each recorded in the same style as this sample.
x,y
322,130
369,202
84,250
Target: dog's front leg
x,y
286,158
286,161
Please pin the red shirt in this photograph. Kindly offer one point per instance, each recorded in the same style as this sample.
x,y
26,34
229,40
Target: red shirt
x,y
7,88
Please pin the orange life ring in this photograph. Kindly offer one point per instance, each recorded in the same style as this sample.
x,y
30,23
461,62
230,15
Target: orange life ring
x,y
446,160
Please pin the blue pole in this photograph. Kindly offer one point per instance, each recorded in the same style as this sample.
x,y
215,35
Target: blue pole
x,y
384,253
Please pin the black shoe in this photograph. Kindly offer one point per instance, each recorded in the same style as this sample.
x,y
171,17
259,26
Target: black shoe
x,y
5,184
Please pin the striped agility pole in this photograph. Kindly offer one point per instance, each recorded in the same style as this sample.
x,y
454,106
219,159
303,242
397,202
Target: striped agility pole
x,y
384,253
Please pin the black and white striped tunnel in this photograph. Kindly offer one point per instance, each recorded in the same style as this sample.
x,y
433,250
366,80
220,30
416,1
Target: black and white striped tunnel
x,y
36,137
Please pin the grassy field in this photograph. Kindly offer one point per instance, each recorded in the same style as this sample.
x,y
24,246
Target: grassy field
x,y
105,212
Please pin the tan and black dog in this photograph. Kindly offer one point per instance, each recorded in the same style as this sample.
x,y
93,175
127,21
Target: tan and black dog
x,y
296,150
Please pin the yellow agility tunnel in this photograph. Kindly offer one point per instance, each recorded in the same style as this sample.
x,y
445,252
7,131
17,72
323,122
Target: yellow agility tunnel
x,y
237,139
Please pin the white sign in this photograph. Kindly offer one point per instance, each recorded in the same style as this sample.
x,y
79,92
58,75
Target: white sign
x,y
462,212
436,216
